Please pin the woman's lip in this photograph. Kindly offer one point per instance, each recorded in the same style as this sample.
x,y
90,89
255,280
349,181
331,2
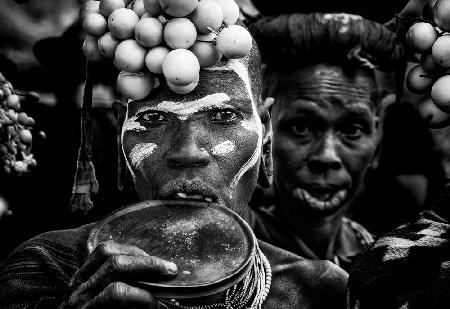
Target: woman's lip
x,y
187,189
333,201
192,197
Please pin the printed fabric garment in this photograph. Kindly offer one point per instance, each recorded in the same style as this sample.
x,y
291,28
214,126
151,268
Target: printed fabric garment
x,y
351,240
37,273
408,267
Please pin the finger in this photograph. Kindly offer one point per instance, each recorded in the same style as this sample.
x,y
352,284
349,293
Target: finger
x,y
100,254
133,268
124,268
121,295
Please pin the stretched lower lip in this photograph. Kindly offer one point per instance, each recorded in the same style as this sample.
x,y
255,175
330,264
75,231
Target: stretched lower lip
x,y
192,190
195,197
334,201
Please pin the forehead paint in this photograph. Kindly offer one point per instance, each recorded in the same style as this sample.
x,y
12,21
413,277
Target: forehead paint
x,y
184,109
240,69
223,148
140,152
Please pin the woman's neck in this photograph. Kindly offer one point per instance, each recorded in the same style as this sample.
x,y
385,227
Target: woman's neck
x,y
318,233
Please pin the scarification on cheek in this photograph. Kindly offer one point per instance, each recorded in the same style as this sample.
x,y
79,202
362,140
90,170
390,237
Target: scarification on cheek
x,y
140,152
185,109
223,149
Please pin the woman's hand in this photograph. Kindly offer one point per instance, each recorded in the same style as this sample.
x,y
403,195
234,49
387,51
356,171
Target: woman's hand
x,y
106,278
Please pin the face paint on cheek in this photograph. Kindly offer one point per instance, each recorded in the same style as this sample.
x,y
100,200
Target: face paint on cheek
x,y
223,149
140,152
130,124
253,125
249,125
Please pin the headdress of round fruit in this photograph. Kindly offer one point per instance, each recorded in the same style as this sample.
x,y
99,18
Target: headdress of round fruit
x,y
431,39
15,131
174,39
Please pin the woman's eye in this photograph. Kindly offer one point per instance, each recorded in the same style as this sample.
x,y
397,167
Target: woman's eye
x,y
353,131
152,117
225,115
299,129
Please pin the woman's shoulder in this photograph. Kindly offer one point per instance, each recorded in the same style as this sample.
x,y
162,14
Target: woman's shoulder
x,y
304,283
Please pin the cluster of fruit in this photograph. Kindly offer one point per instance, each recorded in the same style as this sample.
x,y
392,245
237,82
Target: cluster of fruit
x,y
15,134
431,40
175,38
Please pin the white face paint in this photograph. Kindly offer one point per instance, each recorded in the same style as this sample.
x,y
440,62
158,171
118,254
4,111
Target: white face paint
x,y
140,152
254,125
249,125
217,100
184,109
223,149
130,124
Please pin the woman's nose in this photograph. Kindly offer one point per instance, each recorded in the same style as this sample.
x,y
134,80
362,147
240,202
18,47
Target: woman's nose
x,y
187,151
325,156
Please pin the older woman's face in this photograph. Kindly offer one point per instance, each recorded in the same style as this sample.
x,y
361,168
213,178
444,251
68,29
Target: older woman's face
x,y
205,145
324,137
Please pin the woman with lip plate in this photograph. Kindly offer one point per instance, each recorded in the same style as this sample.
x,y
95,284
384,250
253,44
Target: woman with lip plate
x,y
203,146
320,70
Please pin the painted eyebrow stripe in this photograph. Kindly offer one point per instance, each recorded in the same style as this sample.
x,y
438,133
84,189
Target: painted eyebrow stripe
x,y
240,69
184,109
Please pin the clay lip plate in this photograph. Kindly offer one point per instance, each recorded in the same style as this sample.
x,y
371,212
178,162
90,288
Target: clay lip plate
x,y
211,245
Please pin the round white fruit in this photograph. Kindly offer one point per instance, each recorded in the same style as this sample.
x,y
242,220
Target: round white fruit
x,y
121,23
230,11
440,93
135,86
183,89
149,32
441,51
95,24
206,53
178,8
107,45
234,42
180,33
91,50
208,15
155,57
181,67
433,116
130,56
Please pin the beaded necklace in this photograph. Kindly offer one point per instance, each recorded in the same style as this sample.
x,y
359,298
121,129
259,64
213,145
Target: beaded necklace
x,y
250,293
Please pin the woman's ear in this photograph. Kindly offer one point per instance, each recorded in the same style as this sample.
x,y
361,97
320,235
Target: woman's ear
x,y
266,166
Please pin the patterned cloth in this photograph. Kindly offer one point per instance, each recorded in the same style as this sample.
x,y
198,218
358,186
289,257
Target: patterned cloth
x,y
352,237
407,268
36,275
